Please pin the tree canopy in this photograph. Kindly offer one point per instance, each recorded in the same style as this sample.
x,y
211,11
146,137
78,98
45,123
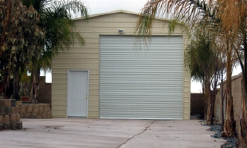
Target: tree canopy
x,y
60,33
20,38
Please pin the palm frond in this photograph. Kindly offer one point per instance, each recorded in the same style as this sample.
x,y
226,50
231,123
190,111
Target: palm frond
x,y
190,12
71,6
59,28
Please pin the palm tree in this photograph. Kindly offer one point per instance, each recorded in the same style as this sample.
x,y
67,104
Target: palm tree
x,y
59,28
203,59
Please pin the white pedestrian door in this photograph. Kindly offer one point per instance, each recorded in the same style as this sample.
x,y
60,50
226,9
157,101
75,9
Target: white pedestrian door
x,y
77,93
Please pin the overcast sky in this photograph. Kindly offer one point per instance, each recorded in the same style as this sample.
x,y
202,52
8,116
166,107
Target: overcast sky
x,y
101,6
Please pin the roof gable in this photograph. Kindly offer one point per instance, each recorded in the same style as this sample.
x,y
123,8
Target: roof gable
x,y
115,12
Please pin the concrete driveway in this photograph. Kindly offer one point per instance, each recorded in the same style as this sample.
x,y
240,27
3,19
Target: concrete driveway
x,y
99,133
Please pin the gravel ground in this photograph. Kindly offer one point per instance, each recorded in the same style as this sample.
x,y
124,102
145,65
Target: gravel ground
x,y
231,142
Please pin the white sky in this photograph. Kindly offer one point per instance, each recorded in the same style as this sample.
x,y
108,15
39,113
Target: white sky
x,y
102,6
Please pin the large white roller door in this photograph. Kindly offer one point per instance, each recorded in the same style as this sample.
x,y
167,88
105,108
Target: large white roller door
x,y
141,83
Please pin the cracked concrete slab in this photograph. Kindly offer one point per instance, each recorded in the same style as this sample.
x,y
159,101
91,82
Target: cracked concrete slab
x,y
136,134
99,133
175,134
72,132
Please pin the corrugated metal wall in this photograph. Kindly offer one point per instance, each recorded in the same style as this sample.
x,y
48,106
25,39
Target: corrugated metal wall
x,y
87,58
141,83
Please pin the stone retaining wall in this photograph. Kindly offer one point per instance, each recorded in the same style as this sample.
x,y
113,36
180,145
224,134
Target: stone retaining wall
x,y
9,115
39,111
11,111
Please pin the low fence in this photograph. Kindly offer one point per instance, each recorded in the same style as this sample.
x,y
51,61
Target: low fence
x,y
196,105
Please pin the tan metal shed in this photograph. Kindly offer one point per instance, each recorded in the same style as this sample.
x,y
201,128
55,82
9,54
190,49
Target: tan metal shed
x,y
112,77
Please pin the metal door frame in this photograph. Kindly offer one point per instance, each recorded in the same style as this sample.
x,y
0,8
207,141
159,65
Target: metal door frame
x,y
68,89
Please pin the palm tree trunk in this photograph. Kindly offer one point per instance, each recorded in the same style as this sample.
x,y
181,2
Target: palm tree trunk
x,y
222,99
203,102
16,83
34,86
229,123
205,95
6,84
213,96
212,109
31,98
208,101
243,121
243,125
210,95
